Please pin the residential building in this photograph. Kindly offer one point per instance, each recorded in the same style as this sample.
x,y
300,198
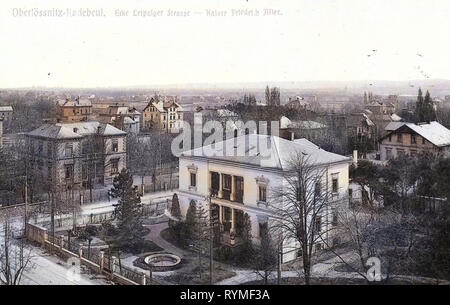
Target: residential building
x,y
120,116
77,110
378,107
412,139
163,113
360,127
301,103
6,113
246,184
310,130
74,154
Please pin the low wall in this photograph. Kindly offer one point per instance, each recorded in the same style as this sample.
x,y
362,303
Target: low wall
x,y
39,234
36,233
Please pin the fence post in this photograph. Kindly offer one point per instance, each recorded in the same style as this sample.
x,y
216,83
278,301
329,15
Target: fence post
x,y
44,237
144,279
80,251
61,242
102,256
113,264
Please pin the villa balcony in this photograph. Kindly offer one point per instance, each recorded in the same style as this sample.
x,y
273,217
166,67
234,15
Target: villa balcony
x,y
227,187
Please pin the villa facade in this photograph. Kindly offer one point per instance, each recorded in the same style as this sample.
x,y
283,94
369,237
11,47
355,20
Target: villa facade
x,y
238,185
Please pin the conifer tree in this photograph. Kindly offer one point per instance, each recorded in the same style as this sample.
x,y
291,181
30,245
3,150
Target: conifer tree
x,y
268,101
419,107
128,211
428,110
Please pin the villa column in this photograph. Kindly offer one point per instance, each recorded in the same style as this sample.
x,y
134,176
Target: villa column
x,y
233,223
221,218
232,196
220,194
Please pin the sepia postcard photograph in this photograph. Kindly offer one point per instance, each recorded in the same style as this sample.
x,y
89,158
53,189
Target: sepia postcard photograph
x,y
225,151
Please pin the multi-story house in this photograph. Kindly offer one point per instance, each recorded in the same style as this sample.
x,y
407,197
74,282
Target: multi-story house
x,y
163,113
310,130
412,139
243,184
77,110
77,154
122,117
6,113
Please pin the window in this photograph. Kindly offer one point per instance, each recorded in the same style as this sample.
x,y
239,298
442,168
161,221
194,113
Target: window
x,y
68,171
68,150
193,179
263,229
423,140
413,153
318,224
227,182
334,221
399,138
98,169
49,171
390,138
400,153
84,171
317,189
334,183
40,147
114,166
413,139
262,193
115,146
388,153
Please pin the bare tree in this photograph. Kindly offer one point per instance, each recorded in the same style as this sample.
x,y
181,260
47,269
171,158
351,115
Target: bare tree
x,y
264,260
15,257
382,233
302,208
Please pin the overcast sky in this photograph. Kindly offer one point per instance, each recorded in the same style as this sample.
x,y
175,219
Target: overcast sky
x,y
311,40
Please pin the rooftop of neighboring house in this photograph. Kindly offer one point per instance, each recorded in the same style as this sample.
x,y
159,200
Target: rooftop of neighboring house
x,y
74,103
380,104
225,113
287,123
75,130
355,119
266,151
6,109
162,103
128,120
297,101
434,132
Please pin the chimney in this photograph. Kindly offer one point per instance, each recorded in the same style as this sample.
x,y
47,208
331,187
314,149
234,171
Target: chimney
x,y
355,158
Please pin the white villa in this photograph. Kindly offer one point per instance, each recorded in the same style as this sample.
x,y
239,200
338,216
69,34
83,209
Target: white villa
x,y
243,182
